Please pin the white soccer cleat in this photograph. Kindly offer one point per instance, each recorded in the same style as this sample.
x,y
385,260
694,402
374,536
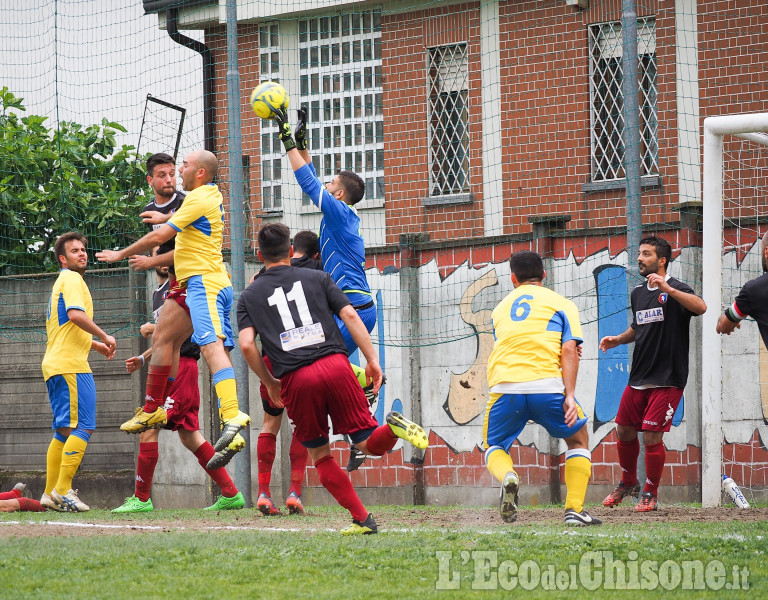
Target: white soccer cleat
x,y
69,502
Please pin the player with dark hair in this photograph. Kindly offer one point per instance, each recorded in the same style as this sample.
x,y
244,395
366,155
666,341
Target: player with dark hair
x,y
661,313
305,254
202,277
532,374
161,176
292,310
342,248
68,377
182,406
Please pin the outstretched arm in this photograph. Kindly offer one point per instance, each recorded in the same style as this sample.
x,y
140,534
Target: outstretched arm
x,y
151,240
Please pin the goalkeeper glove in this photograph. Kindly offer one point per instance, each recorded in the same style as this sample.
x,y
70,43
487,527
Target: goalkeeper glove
x,y
301,129
284,128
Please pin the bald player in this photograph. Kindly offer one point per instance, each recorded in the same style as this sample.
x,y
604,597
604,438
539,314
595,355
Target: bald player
x,y
199,304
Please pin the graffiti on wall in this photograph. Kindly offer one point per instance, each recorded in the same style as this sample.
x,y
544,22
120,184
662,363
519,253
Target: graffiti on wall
x,y
452,372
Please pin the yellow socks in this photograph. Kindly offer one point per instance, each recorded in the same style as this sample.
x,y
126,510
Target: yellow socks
x,y
578,469
226,390
499,462
53,462
72,456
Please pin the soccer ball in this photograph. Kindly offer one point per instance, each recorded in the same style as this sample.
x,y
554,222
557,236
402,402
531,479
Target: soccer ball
x,y
267,97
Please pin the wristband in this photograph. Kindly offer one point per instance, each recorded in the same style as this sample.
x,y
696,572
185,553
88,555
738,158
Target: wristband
x,y
733,314
141,356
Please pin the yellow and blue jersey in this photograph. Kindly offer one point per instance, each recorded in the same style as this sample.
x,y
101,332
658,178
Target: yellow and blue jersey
x,y
530,327
200,223
68,346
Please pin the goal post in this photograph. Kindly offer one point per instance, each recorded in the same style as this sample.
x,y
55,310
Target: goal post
x,y
746,126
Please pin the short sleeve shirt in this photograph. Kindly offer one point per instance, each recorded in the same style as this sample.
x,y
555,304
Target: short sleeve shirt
x,y
662,337
200,223
169,207
292,310
68,345
530,327
753,301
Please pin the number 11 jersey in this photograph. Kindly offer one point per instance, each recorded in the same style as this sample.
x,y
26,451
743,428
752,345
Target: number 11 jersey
x,y
292,310
530,327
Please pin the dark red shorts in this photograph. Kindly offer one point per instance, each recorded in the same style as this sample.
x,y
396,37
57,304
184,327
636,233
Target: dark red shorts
x,y
326,388
179,294
268,408
183,402
649,410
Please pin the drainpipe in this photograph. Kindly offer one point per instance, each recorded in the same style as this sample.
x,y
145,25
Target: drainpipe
x,y
172,25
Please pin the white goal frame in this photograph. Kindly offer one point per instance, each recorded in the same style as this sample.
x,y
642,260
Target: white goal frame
x,y
747,126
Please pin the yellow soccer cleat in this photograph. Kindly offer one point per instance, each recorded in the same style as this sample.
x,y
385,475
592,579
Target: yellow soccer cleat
x,y
366,527
407,430
222,457
230,428
142,421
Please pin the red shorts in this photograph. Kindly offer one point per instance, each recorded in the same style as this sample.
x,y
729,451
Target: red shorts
x,y
183,402
265,403
179,294
326,388
649,410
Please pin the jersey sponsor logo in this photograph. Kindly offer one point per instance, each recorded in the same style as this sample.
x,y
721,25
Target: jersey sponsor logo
x,y
650,315
663,297
300,337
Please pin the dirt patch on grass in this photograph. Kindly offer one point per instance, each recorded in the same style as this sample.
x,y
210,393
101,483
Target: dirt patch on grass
x,y
98,523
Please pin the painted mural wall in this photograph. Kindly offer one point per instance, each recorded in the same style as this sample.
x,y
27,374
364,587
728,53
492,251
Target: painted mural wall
x,y
455,339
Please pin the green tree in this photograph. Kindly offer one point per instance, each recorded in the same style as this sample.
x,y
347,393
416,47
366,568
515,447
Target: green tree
x,y
71,178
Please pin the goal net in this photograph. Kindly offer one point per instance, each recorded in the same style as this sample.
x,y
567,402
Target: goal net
x,y
735,368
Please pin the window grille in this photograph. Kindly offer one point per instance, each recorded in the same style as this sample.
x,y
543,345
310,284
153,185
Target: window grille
x,y
271,147
607,100
448,120
341,85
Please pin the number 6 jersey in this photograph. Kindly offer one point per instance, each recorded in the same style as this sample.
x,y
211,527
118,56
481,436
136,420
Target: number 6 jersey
x,y
292,311
530,327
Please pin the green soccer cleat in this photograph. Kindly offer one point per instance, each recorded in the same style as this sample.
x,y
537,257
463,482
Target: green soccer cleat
x,y
142,421
222,458
407,430
367,527
230,428
223,503
133,504
508,501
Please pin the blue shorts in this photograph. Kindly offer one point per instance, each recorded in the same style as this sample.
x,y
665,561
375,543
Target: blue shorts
x,y
367,315
209,298
73,400
507,414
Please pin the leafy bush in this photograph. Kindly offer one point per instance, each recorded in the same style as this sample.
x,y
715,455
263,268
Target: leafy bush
x,y
53,181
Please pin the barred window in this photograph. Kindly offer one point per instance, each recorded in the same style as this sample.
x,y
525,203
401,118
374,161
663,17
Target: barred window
x,y
607,100
271,147
448,120
341,85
